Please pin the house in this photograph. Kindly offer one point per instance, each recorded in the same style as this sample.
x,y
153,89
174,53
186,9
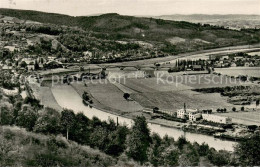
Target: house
x,y
27,60
191,114
51,58
197,68
224,58
194,115
246,64
217,119
31,67
233,65
238,58
11,48
7,68
251,64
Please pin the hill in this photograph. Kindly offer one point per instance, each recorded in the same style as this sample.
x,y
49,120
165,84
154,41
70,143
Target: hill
x,y
148,29
113,37
236,21
22,148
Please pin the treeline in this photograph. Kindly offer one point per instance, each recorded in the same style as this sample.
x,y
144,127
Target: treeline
x,y
136,143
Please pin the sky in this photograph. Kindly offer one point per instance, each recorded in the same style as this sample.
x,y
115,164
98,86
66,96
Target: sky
x,y
136,7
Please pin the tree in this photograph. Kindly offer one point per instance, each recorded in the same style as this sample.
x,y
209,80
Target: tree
x,y
27,118
248,151
23,64
48,122
257,102
155,110
81,68
242,108
221,158
181,142
234,109
171,156
117,141
154,150
126,96
81,129
139,140
67,121
189,156
6,116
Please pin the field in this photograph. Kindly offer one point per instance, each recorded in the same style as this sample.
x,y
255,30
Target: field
x,y
174,100
248,118
45,95
47,98
235,71
171,96
153,85
108,96
203,80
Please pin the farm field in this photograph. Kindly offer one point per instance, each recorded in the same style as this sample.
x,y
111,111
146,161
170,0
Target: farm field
x,y
203,80
248,118
236,71
109,96
153,85
174,100
45,96
171,96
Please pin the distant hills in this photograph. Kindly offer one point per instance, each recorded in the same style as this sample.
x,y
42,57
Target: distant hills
x,y
232,21
153,30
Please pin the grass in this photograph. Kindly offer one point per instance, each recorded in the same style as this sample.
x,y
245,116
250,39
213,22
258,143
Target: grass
x,y
45,96
22,148
203,80
153,85
174,100
109,96
171,96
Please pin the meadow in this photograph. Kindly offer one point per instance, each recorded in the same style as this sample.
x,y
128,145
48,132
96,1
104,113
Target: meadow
x,y
171,96
236,71
174,100
44,94
107,96
203,80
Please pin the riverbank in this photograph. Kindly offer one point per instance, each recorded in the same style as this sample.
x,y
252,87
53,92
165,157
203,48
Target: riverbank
x,y
71,100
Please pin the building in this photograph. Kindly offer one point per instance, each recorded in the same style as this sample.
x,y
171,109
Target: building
x,y
233,65
194,115
191,114
197,68
217,119
238,58
224,58
246,64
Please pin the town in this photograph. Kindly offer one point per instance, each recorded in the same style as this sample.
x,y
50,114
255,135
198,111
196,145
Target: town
x,y
86,87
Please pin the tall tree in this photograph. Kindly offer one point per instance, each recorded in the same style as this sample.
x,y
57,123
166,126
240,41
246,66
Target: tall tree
x,y
139,140
67,121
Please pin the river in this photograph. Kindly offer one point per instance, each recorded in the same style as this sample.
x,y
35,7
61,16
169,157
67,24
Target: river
x,y
68,98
